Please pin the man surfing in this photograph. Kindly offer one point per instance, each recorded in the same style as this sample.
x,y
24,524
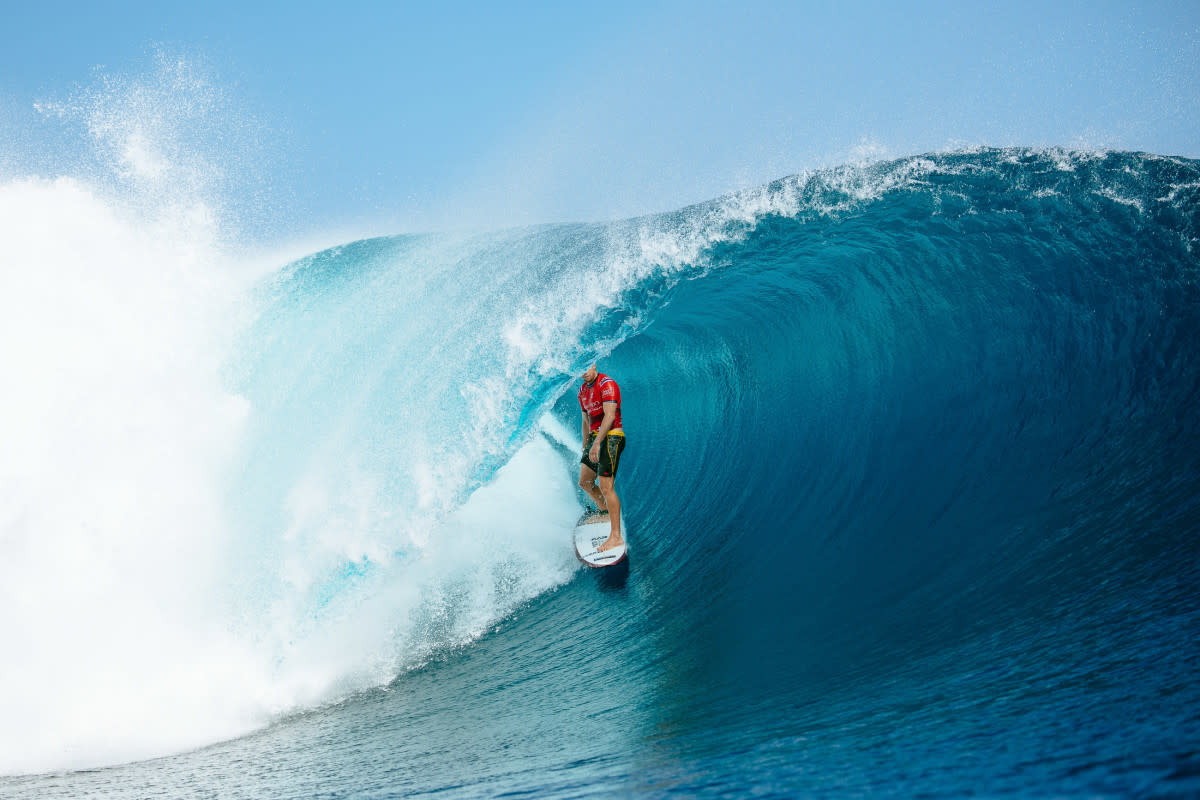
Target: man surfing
x,y
603,441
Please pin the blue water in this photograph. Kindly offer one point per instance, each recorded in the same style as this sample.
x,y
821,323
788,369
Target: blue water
x,y
912,486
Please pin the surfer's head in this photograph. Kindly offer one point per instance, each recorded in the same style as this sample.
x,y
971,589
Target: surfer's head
x,y
590,374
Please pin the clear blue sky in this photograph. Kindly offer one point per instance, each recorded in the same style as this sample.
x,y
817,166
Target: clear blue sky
x,y
400,117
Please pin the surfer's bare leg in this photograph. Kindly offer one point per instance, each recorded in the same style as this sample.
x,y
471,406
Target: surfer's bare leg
x,y
587,482
613,504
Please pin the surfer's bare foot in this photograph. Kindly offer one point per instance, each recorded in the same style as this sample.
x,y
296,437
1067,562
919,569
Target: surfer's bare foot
x,y
610,543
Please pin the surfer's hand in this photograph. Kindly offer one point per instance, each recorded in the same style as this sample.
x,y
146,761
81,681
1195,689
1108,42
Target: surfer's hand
x,y
594,453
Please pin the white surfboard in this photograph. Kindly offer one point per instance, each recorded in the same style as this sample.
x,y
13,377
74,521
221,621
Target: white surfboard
x,y
590,533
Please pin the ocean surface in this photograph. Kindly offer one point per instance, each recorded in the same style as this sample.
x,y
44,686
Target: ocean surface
x,y
912,488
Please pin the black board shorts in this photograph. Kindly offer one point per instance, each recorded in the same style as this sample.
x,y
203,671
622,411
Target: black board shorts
x,y
610,454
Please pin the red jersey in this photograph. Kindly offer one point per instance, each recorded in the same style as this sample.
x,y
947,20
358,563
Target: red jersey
x,y
593,396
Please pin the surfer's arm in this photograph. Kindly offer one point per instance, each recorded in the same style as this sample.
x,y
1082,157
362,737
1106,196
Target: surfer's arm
x,y
586,429
610,414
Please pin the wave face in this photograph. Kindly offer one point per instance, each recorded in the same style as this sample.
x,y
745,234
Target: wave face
x,y
912,486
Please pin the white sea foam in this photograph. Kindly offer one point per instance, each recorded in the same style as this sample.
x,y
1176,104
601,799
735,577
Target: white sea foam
x,y
115,429
137,619
124,636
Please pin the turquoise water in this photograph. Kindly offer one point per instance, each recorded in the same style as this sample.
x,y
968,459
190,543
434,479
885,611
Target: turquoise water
x,y
911,487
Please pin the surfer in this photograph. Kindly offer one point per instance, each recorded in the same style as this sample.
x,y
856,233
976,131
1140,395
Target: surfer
x,y
603,441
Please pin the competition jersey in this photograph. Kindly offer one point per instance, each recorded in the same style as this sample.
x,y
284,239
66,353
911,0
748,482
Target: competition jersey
x,y
593,396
